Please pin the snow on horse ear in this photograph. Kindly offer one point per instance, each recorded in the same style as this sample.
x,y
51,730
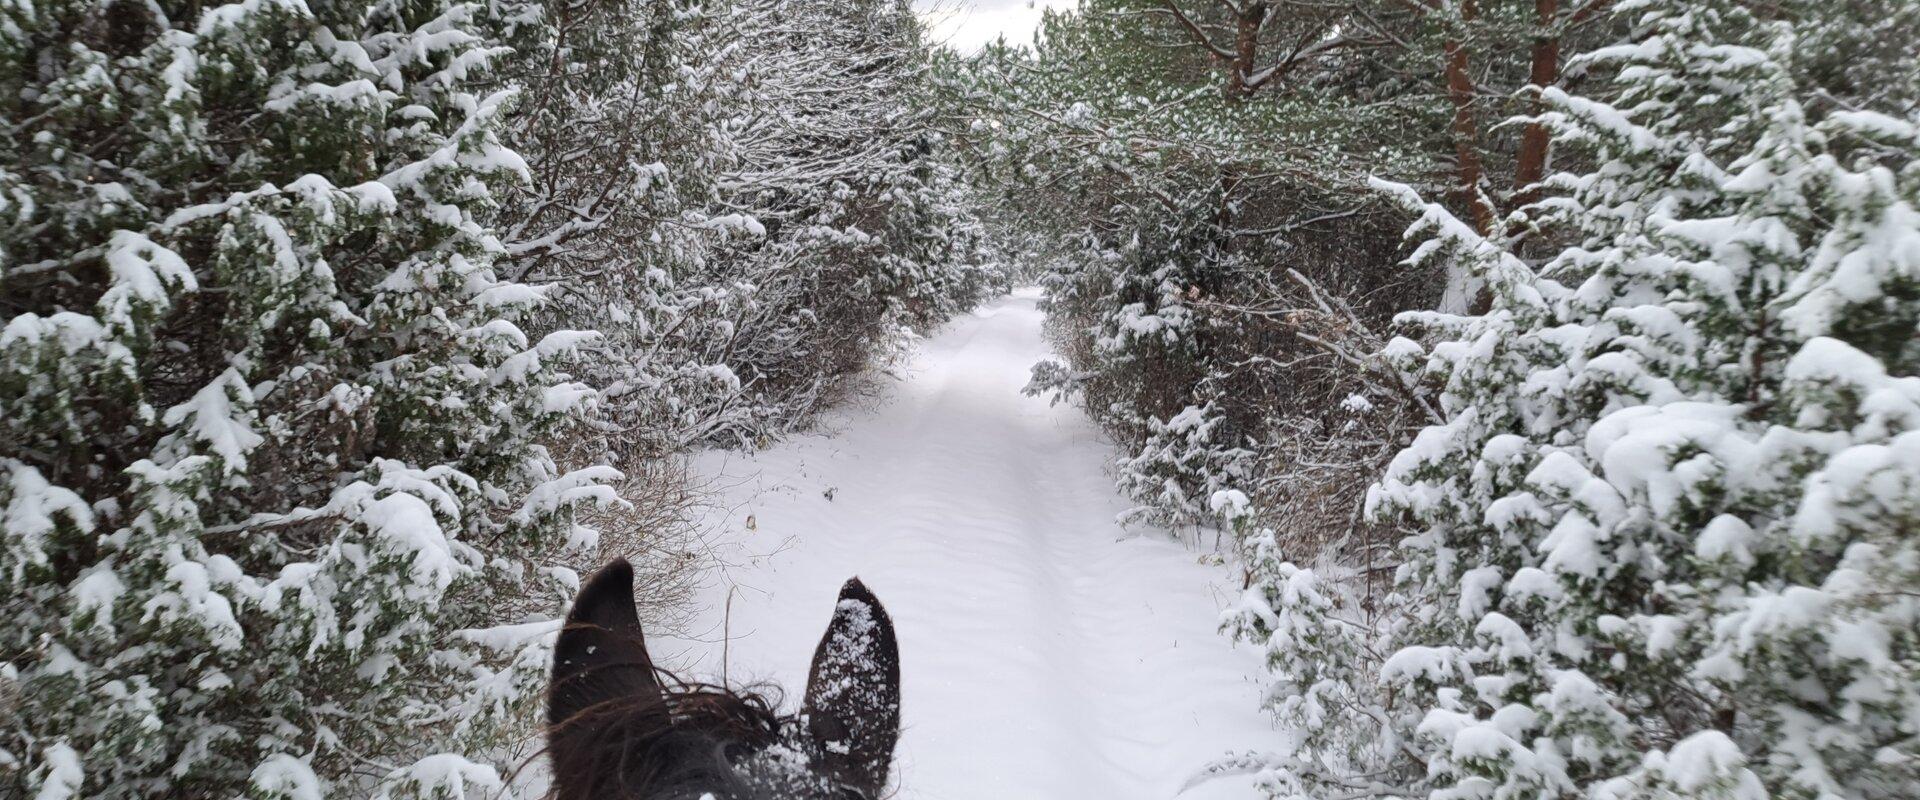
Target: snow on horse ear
x,y
601,655
853,691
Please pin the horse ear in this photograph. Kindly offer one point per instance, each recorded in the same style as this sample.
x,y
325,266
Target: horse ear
x,y
853,692
601,654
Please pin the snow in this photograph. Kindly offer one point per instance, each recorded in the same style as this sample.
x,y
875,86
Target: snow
x,y
63,773
30,512
95,593
407,525
444,775
191,594
568,398
352,94
1773,615
1230,504
1874,123
1045,651
1408,664
1603,117
1727,537
1663,634
232,15
1476,591
1533,582
723,375
283,775
211,419
576,488
72,332
1512,641
1705,760
735,222
1483,742
1635,447
1573,547
1824,359
511,638
519,366
143,273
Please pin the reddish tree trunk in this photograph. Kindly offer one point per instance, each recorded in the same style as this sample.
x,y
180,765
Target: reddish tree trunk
x,y
1246,47
1534,140
1465,127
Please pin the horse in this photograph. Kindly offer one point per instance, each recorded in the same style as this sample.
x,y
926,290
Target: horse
x,y
620,728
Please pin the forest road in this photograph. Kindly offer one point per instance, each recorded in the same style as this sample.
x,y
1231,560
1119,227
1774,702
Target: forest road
x,y
1047,652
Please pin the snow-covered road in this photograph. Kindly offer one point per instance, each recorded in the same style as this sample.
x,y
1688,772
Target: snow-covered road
x,y
1047,653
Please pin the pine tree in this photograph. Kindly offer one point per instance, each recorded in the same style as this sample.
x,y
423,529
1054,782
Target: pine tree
x,y
270,430
1664,540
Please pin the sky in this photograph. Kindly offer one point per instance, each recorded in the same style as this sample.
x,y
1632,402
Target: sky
x,y
967,25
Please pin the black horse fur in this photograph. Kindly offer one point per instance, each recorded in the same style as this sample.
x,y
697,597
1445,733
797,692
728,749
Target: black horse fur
x,y
621,729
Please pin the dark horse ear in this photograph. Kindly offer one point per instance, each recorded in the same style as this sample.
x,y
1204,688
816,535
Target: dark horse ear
x,y
853,692
601,655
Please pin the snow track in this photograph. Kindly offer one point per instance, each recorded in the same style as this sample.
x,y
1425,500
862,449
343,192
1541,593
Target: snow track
x,y
1047,653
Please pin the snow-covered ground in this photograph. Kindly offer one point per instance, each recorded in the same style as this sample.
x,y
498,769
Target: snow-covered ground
x,y
1046,652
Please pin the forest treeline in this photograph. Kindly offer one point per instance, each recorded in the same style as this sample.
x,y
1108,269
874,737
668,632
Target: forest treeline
x,y
1553,365
338,333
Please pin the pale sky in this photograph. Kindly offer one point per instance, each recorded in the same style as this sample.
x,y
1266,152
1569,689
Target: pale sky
x,y
967,25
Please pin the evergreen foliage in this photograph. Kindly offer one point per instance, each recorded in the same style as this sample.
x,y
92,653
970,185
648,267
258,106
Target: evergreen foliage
x,y
1175,227
1662,542
272,429
303,418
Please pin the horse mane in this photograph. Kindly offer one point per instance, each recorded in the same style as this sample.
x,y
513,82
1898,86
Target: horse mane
x,y
680,741
619,728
